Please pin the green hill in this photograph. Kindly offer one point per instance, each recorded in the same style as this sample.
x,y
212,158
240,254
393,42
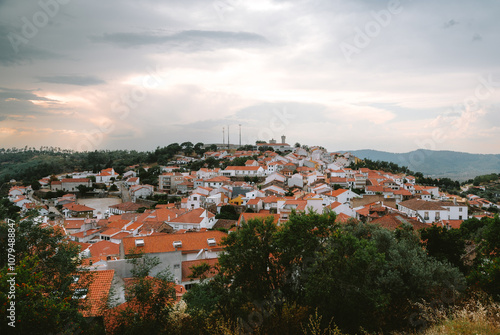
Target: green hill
x,y
455,165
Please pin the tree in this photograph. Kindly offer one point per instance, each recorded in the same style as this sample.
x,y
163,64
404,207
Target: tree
x,y
250,260
402,273
297,145
35,185
228,212
45,265
199,148
149,301
187,147
444,244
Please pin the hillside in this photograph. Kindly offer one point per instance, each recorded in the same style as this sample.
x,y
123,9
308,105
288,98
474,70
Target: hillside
x,y
455,165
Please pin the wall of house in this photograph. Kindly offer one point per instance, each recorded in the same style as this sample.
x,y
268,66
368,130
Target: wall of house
x,y
168,260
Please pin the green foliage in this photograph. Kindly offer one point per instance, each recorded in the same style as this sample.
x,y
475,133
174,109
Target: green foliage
x,y
485,273
149,301
8,210
45,265
444,244
227,212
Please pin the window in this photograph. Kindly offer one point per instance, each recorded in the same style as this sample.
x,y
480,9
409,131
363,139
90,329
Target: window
x,y
80,293
438,216
460,209
426,216
177,266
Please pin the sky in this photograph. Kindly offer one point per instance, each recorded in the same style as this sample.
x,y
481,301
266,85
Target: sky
x,y
346,75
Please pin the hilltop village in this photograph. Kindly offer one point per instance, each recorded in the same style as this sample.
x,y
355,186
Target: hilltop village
x,y
183,218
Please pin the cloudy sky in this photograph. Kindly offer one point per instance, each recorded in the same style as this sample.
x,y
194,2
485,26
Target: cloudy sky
x,y
386,75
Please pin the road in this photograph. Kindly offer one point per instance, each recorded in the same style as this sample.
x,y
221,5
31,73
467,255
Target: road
x,y
124,191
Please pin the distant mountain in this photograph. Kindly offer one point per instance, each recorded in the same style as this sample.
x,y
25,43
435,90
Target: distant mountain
x,y
455,165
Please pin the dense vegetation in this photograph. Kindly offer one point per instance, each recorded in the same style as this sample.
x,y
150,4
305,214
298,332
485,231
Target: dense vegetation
x,y
308,275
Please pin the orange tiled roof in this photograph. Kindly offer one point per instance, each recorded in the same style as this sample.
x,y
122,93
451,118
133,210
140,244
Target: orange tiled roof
x,y
191,242
98,291
104,248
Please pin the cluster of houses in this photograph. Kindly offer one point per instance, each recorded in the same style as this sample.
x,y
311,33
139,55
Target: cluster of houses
x,y
184,234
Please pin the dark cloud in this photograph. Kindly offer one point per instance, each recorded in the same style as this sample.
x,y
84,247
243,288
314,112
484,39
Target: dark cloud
x,y
26,95
16,50
477,37
187,40
450,23
72,80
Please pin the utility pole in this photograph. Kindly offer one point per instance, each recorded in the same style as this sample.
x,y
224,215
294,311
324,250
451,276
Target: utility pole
x,y
223,137
228,137
240,135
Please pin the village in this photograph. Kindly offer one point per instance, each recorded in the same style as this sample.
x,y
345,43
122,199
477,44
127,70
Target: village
x,y
117,219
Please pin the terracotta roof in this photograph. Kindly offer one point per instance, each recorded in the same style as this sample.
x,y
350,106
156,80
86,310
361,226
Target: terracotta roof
x,y
452,223
75,180
104,248
343,218
98,291
393,220
194,216
218,179
110,231
246,168
191,242
74,224
78,208
418,205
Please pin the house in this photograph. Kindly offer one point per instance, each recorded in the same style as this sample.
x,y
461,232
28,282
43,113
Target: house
x,y
174,249
255,204
194,200
205,173
140,191
65,199
341,195
17,191
70,184
273,189
126,207
42,210
73,210
296,180
168,182
21,201
105,249
243,171
106,176
195,219
75,225
216,182
433,211
276,146
275,179
340,208
132,181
